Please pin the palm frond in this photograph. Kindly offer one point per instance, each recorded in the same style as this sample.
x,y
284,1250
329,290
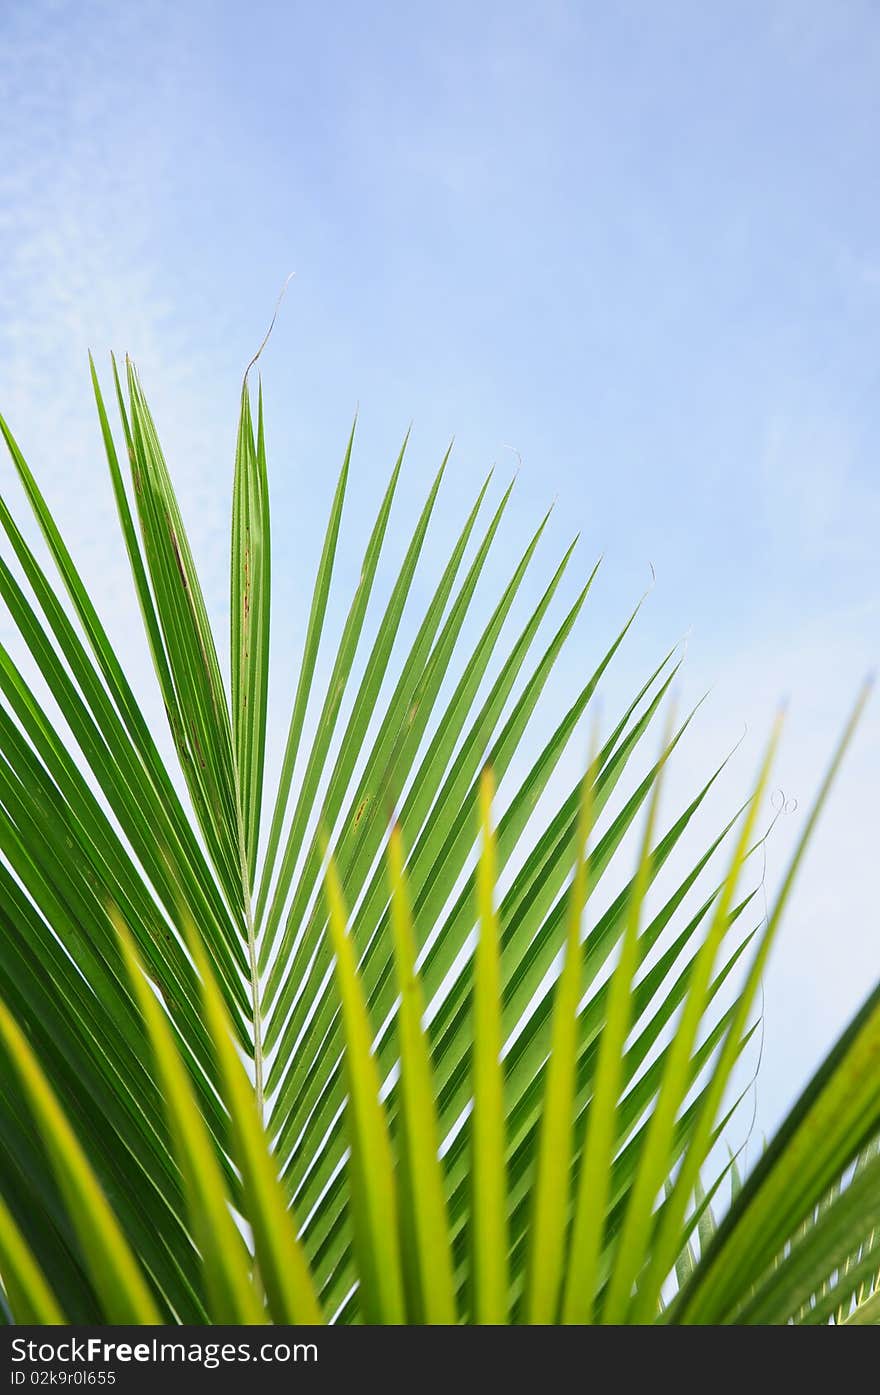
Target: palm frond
x,y
338,1063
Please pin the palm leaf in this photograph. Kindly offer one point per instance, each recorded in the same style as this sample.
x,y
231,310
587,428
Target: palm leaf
x,y
249,618
114,1269
488,1218
282,1265
233,1298
472,1115
598,1150
424,1224
547,1239
31,1298
372,1172
632,1249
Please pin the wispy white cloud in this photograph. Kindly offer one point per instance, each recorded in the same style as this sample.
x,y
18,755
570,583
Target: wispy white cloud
x,y
84,148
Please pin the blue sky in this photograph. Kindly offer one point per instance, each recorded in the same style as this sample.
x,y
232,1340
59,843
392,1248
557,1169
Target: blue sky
x,y
638,244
